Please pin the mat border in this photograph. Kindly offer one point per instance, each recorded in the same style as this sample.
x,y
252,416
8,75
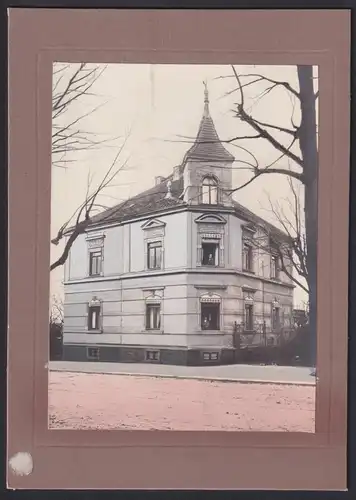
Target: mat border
x,y
274,455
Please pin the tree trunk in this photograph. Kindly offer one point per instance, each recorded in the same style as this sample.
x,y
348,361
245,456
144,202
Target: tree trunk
x,y
309,150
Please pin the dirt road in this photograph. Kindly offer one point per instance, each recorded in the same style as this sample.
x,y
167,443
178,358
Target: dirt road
x,y
102,401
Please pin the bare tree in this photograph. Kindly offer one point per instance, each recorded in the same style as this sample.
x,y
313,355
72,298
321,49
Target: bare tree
x,y
82,217
72,84
57,312
297,145
295,252
304,160
291,252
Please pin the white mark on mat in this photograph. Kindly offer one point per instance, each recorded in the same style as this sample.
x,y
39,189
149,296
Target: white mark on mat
x,y
21,463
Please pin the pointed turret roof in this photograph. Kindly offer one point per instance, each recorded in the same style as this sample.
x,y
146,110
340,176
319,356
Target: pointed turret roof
x,y
207,145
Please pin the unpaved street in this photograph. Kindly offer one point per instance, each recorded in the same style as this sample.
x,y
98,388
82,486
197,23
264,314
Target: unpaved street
x,y
103,401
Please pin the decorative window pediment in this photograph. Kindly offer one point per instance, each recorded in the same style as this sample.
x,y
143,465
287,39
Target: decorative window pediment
x,y
248,299
153,224
210,219
210,297
95,240
95,302
275,303
154,298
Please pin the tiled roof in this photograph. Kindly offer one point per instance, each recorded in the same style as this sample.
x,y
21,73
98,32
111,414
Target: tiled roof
x,y
207,145
148,201
154,200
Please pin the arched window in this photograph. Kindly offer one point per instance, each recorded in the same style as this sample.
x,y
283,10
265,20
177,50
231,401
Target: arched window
x,y
210,191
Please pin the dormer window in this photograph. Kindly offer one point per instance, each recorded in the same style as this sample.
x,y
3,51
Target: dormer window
x,y
209,191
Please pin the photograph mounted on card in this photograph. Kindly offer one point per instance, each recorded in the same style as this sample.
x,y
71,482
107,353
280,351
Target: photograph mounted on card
x,y
186,218
182,263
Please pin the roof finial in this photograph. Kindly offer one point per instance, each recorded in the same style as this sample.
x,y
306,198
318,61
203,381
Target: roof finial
x,y
169,192
206,99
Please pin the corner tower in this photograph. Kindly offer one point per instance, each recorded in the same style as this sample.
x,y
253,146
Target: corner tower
x,y
207,165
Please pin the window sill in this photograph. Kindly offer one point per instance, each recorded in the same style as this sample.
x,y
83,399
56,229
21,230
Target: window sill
x,y
210,331
95,275
154,331
100,330
248,271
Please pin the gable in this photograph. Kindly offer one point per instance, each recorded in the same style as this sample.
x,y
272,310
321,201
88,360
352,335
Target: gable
x,y
210,219
153,224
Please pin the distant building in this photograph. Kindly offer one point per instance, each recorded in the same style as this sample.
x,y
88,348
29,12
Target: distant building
x,y
169,275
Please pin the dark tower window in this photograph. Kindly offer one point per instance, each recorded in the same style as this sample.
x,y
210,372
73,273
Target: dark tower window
x,y
210,191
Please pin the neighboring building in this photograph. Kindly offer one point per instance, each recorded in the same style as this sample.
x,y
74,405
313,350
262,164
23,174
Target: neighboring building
x,y
169,275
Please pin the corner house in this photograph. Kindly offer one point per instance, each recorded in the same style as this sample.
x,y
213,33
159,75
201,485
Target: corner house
x,y
170,275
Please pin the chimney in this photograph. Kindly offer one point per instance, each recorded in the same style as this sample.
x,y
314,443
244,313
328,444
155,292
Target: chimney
x,y
176,173
158,179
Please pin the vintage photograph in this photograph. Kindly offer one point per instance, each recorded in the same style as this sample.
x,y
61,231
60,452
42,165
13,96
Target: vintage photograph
x,y
183,247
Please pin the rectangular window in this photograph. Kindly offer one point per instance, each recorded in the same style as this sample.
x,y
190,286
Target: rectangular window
x,y
274,267
153,317
152,355
94,318
95,262
154,255
247,257
276,321
93,353
210,253
249,317
210,316
210,356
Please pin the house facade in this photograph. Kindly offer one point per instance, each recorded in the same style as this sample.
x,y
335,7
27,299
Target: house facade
x,y
173,273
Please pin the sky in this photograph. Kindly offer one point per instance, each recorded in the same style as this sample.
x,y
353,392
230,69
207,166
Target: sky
x,y
152,113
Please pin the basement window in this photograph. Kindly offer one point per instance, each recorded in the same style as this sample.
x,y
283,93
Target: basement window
x,y
210,356
152,355
93,353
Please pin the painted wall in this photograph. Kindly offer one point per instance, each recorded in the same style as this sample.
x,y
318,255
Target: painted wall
x,y
126,284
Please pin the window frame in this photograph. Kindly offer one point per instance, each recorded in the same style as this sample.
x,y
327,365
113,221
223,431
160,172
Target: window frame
x,y
92,253
249,268
275,326
210,182
218,316
150,317
93,358
156,355
91,309
154,245
275,269
248,306
210,355
216,255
